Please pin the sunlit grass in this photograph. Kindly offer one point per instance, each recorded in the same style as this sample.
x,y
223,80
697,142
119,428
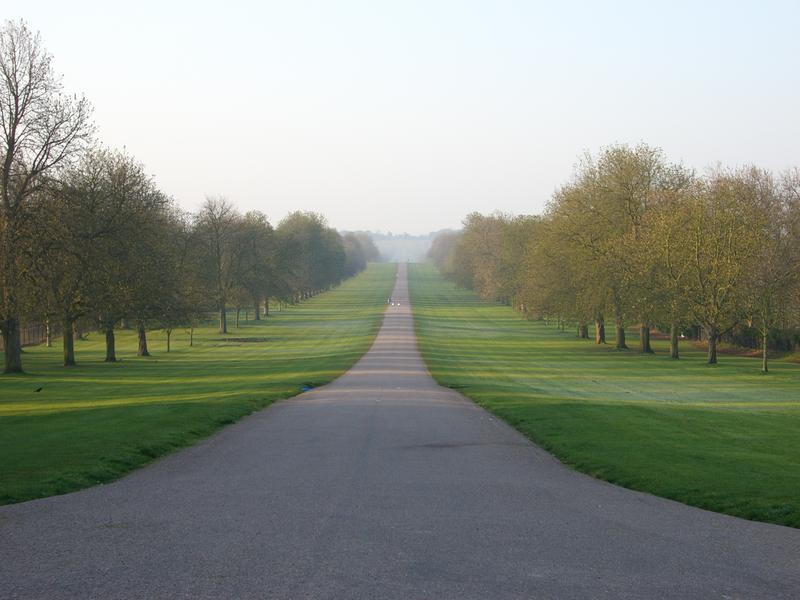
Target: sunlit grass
x,y
96,421
723,437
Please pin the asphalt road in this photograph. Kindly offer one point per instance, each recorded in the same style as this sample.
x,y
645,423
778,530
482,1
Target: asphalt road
x,y
381,485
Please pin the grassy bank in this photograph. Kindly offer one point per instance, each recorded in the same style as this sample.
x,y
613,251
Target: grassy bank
x,y
94,422
725,438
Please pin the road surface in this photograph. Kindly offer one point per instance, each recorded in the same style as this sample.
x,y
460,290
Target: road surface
x,y
381,485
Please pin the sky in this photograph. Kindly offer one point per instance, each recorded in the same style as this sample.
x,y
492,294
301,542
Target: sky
x,y
406,115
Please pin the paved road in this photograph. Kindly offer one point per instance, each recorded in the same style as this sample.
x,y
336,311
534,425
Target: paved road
x,y
379,486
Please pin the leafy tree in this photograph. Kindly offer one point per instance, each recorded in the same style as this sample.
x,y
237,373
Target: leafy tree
x,y
371,252
775,275
77,214
636,236
714,235
130,206
442,251
312,255
257,265
217,230
359,249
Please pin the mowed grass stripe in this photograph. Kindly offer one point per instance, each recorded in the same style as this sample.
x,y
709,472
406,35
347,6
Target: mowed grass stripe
x,y
725,438
95,422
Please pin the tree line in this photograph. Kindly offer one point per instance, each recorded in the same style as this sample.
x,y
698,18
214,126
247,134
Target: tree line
x,y
633,239
85,233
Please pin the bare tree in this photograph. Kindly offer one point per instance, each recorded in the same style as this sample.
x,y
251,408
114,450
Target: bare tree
x,y
41,128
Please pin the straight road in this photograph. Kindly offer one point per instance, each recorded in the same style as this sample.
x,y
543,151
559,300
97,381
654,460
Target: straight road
x,y
381,485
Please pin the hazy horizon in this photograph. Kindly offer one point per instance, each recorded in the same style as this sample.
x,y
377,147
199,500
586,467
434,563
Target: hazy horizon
x,y
405,117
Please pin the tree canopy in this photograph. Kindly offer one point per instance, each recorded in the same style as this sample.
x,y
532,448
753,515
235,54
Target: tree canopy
x,y
88,239
645,242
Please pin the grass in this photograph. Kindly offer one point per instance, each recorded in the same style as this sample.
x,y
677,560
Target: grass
x,y
97,421
724,437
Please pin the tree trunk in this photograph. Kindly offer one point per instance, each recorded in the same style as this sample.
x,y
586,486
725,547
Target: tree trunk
x,y
191,337
238,310
599,331
583,331
48,334
644,339
266,306
619,329
713,336
673,340
764,340
142,333
69,342
12,346
223,319
111,351
169,335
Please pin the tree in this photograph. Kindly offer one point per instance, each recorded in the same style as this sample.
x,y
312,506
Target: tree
x,y
371,252
775,275
91,230
359,250
638,237
601,215
42,130
129,206
442,251
663,256
483,240
549,286
218,237
75,214
194,301
312,254
256,267
720,229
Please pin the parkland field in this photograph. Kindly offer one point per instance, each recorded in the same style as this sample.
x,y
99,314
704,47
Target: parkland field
x,y
723,437
94,422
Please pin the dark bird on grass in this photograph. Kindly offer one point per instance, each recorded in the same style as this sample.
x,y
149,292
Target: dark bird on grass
x,y
37,390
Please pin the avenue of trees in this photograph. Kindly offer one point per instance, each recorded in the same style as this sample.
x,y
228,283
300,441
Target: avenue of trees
x,y
633,240
86,236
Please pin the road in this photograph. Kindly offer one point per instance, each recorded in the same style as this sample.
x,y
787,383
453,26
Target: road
x,y
381,485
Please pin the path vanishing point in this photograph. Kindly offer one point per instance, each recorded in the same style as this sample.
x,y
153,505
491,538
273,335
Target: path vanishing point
x,y
381,485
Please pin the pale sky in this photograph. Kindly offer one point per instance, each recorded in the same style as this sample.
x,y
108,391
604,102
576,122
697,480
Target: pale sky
x,y
406,115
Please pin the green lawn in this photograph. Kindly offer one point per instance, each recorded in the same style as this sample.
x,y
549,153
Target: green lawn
x,y
96,421
723,437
